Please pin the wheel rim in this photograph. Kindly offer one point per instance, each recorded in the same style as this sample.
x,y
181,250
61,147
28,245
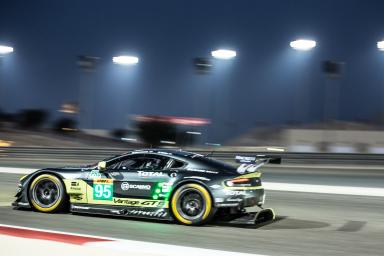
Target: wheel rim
x,y
191,204
46,193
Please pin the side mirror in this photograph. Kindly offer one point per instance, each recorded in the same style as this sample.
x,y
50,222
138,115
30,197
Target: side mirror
x,y
102,166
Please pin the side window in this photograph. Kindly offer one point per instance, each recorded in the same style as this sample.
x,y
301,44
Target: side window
x,y
151,163
124,164
141,162
177,164
127,164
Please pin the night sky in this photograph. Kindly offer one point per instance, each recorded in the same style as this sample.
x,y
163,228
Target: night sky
x,y
267,83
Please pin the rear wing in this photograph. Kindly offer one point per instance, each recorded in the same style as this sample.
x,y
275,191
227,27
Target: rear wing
x,y
250,164
258,159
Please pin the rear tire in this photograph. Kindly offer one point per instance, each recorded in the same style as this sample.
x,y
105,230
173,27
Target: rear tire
x,y
192,204
47,194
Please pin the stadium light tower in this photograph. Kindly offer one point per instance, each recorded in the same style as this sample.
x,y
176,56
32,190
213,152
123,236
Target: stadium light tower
x,y
380,45
5,49
303,44
223,54
125,60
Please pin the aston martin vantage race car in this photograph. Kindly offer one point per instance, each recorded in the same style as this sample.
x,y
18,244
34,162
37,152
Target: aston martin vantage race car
x,y
155,183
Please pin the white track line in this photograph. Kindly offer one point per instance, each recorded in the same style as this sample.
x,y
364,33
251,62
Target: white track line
x,y
304,188
16,170
142,248
324,189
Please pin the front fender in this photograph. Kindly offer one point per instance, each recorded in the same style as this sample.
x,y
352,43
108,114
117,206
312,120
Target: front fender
x,y
22,198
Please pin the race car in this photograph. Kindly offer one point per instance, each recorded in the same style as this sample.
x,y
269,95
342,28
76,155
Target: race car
x,y
164,184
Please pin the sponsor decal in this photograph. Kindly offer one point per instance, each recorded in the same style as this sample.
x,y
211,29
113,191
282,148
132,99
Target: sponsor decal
x,y
126,186
197,155
227,204
200,170
141,152
103,181
150,174
197,177
219,200
234,199
166,187
94,174
80,207
103,189
75,186
215,186
138,202
74,183
235,193
164,153
248,168
155,214
77,197
245,159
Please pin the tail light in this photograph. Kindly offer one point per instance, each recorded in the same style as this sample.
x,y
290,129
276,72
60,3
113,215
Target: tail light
x,y
243,182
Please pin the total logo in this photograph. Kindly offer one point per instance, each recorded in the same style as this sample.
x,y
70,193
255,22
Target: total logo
x,y
126,186
152,174
235,193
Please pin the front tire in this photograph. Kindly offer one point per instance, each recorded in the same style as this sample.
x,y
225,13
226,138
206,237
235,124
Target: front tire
x,y
47,194
192,205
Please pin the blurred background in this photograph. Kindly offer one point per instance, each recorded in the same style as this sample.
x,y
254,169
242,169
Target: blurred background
x,y
302,79
304,76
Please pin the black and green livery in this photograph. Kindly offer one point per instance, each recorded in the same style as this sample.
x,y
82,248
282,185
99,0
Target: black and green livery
x,y
153,183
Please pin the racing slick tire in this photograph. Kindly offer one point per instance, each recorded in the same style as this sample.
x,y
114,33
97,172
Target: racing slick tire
x,y
192,205
47,194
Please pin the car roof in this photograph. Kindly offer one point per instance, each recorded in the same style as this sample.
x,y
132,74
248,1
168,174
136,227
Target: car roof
x,y
163,151
197,160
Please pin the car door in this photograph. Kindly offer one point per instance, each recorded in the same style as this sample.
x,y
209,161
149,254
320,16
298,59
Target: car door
x,y
141,176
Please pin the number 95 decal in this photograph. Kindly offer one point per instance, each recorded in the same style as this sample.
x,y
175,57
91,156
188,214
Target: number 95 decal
x,y
103,189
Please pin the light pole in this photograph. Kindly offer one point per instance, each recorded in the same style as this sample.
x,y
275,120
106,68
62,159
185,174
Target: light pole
x,y
380,47
302,46
221,55
4,50
87,65
125,61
